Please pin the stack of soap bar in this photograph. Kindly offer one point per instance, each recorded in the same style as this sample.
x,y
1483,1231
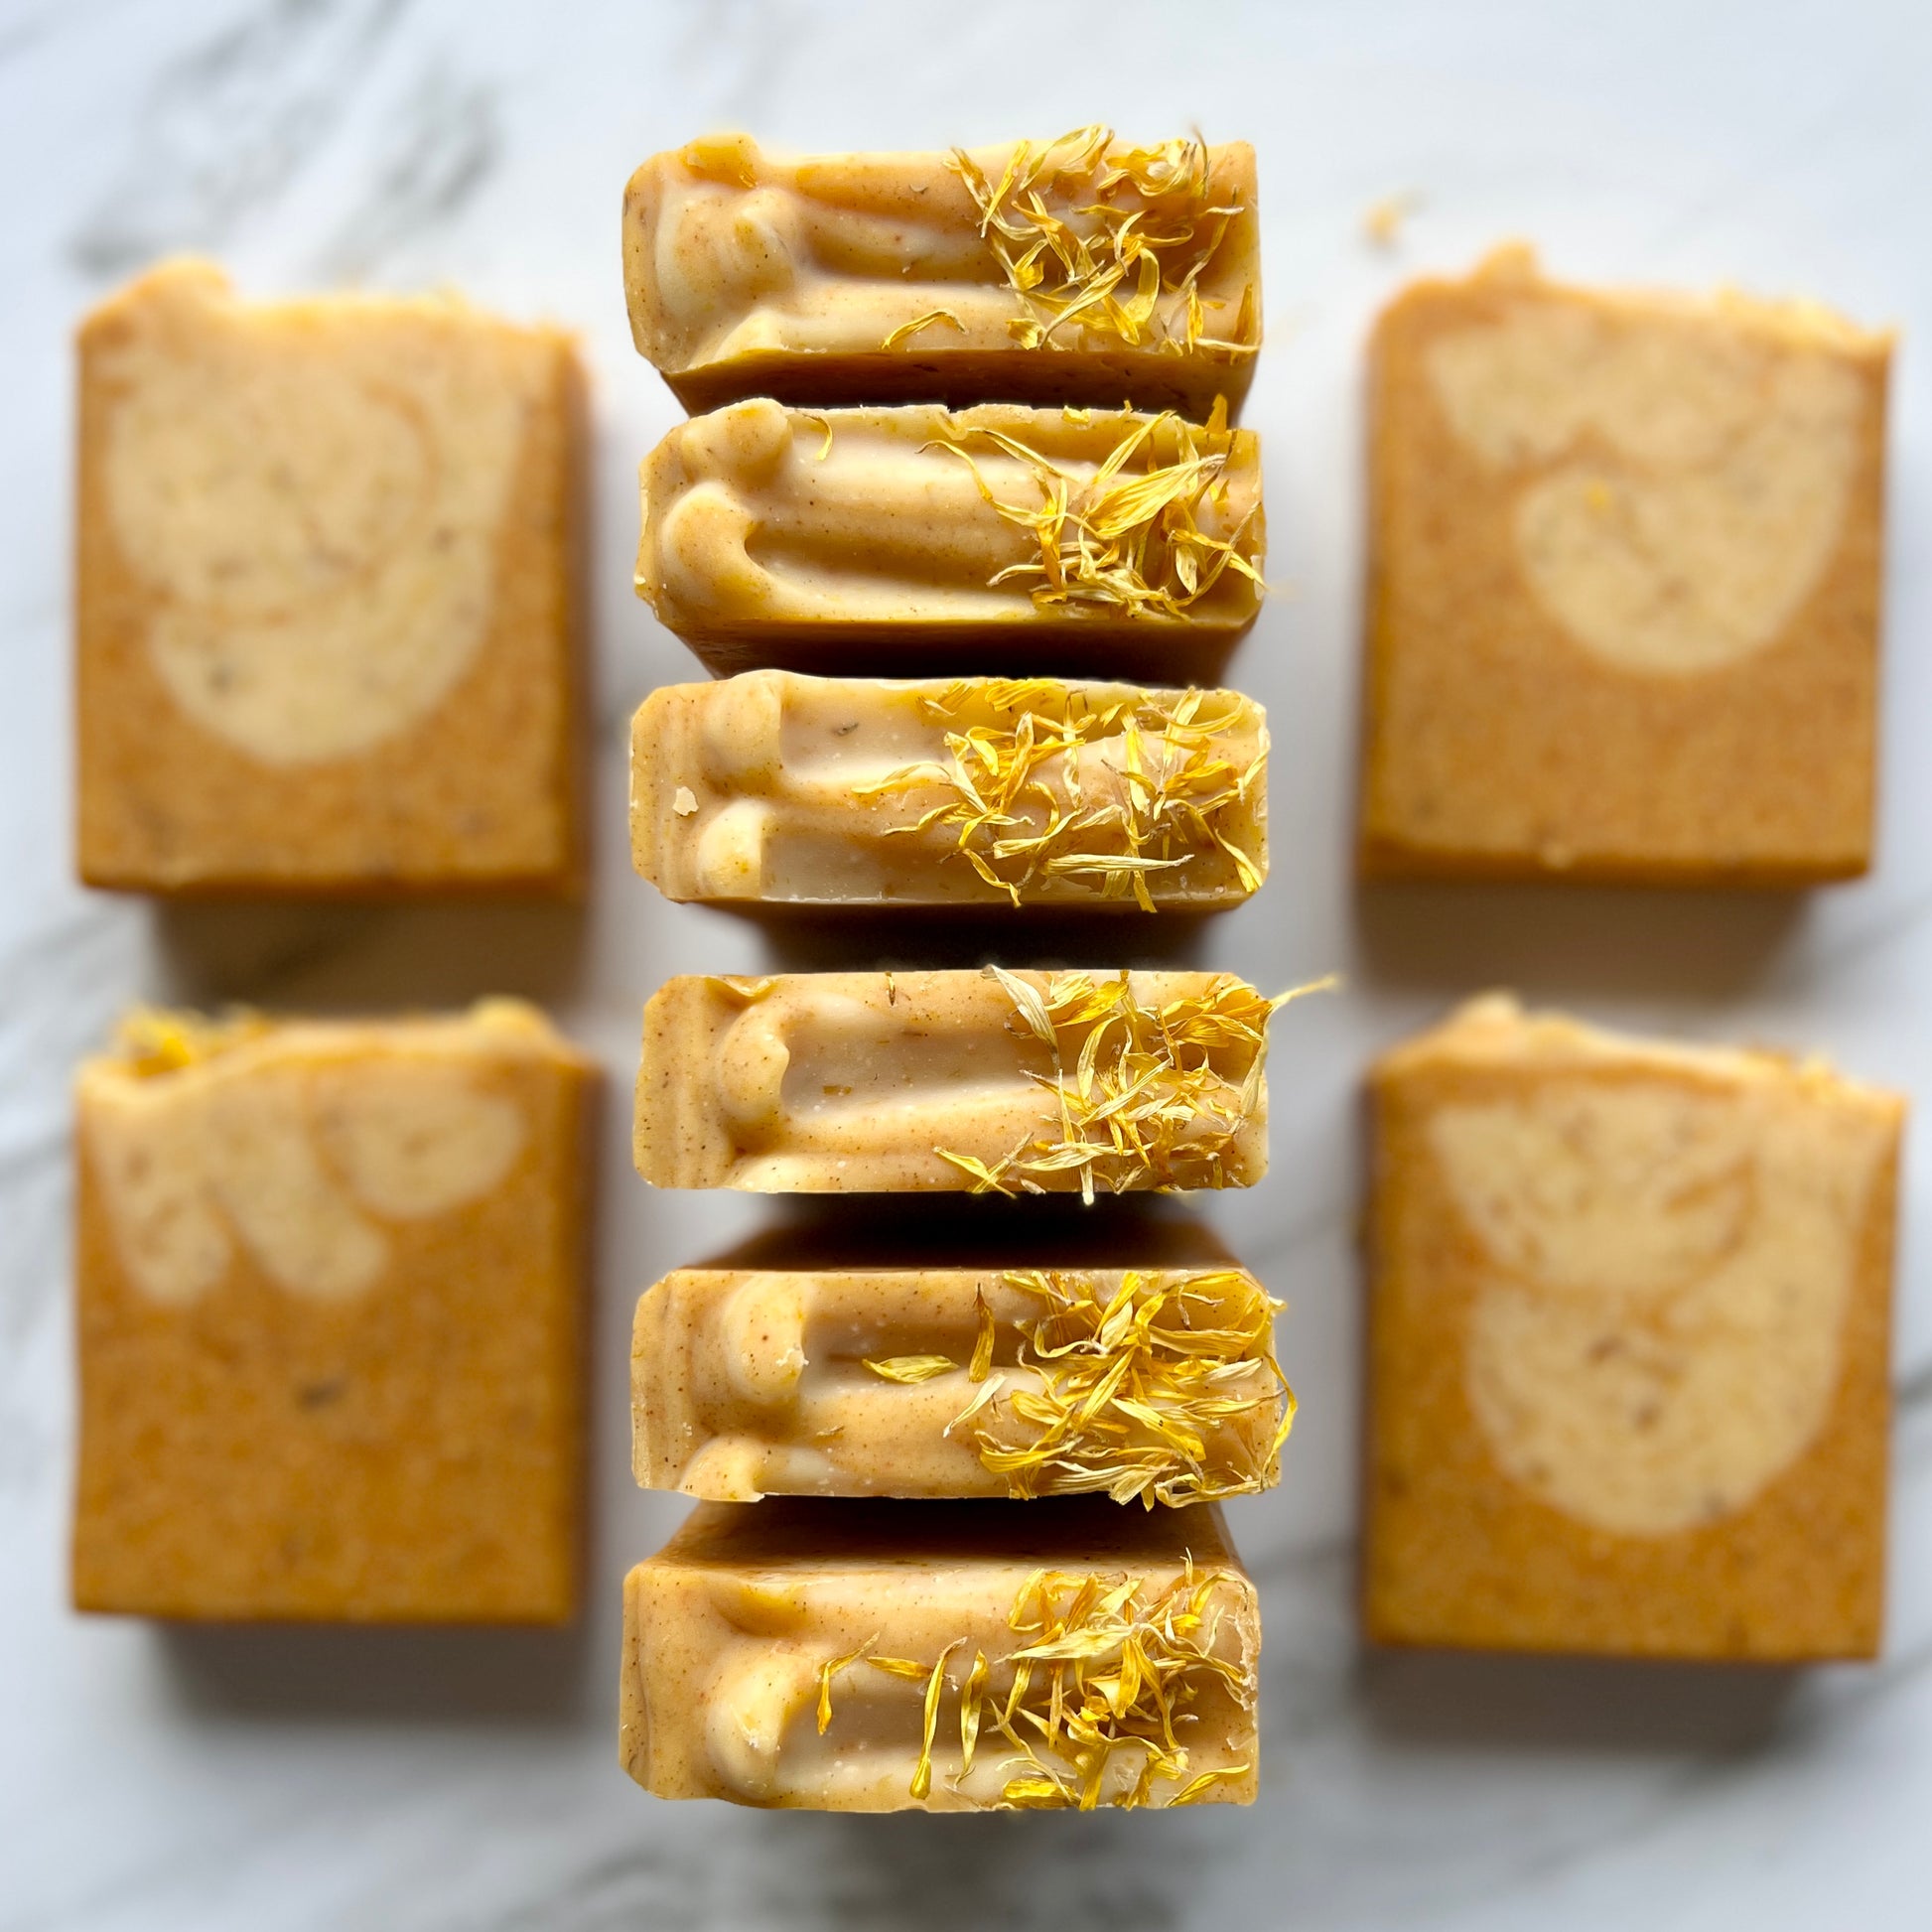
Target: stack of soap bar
x,y
1624,585
945,1656
324,599
935,1081
997,537
328,1280
1076,270
1628,1384
1151,1383
827,792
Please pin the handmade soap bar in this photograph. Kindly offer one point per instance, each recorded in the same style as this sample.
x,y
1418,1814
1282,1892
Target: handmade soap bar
x,y
917,1083
1001,538
848,791
1624,585
1628,1367
1148,1384
322,617
1076,270
942,1656
328,1282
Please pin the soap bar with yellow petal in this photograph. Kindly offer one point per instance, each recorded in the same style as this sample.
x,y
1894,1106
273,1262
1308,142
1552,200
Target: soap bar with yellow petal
x,y
1629,1362
1078,270
961,1656
1148,1383
995,538
329,1310
779,789
952,1081
1624,585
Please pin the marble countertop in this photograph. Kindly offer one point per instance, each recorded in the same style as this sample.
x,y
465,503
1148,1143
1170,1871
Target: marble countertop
x,y
153,1778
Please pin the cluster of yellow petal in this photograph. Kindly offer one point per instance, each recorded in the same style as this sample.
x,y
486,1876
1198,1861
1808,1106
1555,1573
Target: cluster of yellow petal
x,y
1107,1674
1147,533
1094,235
1148,1097
1137,1387
1040,783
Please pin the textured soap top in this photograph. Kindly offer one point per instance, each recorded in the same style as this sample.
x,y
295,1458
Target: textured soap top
x,y
1081,269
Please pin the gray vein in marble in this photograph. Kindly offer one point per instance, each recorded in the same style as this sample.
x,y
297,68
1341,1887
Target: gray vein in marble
x,y
228,125
446,142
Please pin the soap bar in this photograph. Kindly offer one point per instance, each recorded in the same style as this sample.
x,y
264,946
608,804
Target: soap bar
x,y
795,790
948,1081
1629,1365
328,1287
1077,270
995,538
964,1656
1148,1384
1624,585
323,627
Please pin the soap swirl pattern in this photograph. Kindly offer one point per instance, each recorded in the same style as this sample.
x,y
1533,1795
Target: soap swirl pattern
x,y
1663,1286
1680,488
298,1166
313,511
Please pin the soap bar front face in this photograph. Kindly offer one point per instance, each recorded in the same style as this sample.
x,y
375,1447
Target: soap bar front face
x,y
1629,1321
846,538
1624,585
1078,270
942,1656
954,1081
328,1282
322,624
1019,1382
775,789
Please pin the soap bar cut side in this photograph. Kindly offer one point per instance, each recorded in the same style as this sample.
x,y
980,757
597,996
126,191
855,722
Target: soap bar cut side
x,y
1079,270
328,1284
995,538
1629,1312
954,1081
1146,1384
780,790
1625,585
942,1656
324,625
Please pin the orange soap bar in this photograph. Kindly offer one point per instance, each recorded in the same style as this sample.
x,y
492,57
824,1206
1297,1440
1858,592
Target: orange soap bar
x,y
1624,585
330,1314
322,617
1628,1365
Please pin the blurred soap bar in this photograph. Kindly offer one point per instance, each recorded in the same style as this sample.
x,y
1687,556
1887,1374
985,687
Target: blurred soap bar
x,y
951,1081
323,625
1629,1365
787,790
1078,270
1022,539
1144,1383
942,1656
1625,583
329,1286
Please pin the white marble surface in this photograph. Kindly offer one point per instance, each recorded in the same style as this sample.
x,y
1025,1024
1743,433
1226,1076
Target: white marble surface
x,y
250,1781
